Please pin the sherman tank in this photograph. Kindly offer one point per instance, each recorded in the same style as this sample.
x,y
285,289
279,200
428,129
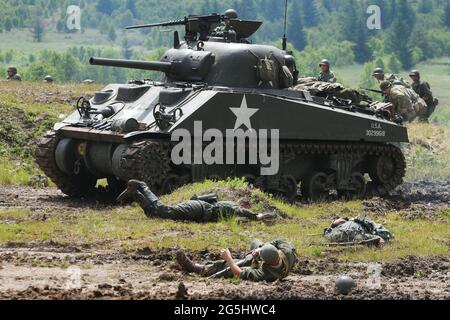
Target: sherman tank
x,y
220,101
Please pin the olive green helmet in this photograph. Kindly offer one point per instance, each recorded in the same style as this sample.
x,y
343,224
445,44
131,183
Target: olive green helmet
x,y
345,284
12,69
414,73
269,254
231,14
324,62
378,71
385,85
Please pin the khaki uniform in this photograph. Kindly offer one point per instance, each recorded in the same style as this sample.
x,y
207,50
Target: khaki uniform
x,y
358,230
327,77
407,103
255,270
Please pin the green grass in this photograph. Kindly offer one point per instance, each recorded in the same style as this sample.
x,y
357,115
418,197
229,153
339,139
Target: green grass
x,y
128,229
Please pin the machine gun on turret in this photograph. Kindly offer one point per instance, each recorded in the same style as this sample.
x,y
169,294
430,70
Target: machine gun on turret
x,y
199,28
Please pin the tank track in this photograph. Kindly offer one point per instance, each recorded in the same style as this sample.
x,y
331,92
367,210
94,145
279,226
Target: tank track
x,y
149,161
45,158
374,188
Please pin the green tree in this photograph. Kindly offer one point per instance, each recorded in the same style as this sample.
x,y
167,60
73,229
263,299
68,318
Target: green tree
x,y
394,65
400,33
8,24
361,49
38,29
447,14
112,35
310,13
296,33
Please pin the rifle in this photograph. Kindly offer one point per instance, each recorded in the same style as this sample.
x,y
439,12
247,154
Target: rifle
x,y
373,90
240,263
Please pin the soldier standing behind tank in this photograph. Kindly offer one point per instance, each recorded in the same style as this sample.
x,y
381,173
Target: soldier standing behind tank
x,y
326,75
13,75
394,79
423,89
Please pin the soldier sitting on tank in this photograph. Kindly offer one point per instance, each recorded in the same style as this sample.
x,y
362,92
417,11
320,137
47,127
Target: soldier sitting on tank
x,y
225,30
266,262
198,209
357,231
13,75
326,75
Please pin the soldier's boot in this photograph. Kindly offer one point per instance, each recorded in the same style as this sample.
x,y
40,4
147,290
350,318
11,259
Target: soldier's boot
x,y
187,264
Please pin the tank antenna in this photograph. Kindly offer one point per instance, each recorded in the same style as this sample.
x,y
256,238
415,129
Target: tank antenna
x,y
285,26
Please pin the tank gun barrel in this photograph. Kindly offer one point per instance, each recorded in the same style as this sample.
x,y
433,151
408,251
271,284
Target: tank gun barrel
x,y
132,64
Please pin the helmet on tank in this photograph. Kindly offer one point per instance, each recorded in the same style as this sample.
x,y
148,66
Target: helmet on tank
x,y
231,14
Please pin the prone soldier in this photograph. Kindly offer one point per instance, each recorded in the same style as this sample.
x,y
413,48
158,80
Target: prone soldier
x,y
326,75
13,75
356,231
266,262
423,89
198,209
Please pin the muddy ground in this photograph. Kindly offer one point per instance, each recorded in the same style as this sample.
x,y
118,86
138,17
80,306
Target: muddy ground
x,y
89,273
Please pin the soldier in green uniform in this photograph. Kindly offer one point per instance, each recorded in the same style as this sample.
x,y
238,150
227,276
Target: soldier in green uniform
x,y
357,230
13,75
266,262
391,77
405,101
423,89
208,210
326,75
225,30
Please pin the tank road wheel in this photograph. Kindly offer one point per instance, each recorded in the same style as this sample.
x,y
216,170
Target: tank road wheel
x,y
386,171
314,186
79,185
358,185
289,187
382,169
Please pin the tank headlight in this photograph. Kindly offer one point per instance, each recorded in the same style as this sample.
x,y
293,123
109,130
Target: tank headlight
x,y
81,149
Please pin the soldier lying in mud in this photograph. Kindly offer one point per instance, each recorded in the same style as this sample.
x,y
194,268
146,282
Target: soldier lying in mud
x,y
346,231
198,209
266,262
